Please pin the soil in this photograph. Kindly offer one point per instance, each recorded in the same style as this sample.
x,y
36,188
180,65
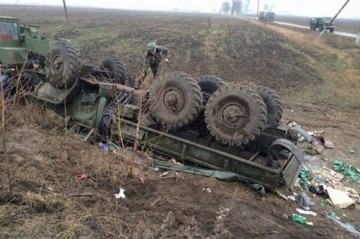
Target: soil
x,y
53,185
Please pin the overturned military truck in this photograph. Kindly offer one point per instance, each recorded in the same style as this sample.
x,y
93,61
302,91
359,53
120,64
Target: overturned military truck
x,y
205,121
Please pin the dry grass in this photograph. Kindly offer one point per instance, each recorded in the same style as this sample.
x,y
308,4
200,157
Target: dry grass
x,y
336,60
39,183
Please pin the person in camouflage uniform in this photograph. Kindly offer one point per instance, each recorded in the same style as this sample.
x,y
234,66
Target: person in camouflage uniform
x,y
153,56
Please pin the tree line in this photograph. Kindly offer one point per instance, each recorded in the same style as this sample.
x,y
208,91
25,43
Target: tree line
x,y
235,7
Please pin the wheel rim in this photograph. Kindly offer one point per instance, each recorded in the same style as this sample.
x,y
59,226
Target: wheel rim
x,y
58,64
173,100
233,115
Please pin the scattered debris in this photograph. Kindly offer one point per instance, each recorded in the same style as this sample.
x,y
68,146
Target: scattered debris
x,y
306,212
339,166
81,176
104,147
323,204
121,194
339,198
112,146
155,169
349,171
318,190
164,174
285,216
301,219
347,226
328,144
292,198
332,214
319,139
304,201
305,177
207,190
292,123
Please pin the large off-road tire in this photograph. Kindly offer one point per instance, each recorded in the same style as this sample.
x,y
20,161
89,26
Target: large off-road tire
x,y
273,105
332,30
208,85
235,115
176,101
63,65
113,69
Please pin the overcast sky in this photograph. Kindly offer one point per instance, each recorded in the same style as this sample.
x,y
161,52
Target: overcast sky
x,y
296,7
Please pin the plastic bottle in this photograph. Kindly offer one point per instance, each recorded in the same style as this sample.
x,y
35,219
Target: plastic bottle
x,y
103,147
299,219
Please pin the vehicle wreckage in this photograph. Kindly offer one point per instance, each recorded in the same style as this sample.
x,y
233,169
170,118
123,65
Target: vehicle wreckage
x,y
206,122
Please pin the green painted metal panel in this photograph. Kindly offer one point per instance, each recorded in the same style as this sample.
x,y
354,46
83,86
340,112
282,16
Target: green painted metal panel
x,y
13,55
185,150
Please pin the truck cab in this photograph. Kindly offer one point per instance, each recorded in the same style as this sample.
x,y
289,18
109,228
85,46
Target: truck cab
x,y
267,16
322,23
20,43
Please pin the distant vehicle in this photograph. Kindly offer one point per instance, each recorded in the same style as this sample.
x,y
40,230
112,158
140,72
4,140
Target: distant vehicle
x,y
321,23
267,16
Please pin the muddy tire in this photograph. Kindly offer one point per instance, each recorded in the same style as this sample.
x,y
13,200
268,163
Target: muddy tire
x,y
273,105
208,85
113,69
235,115
63,65
176,101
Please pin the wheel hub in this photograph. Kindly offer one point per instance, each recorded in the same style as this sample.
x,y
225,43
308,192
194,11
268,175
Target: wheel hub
x,y
173,100
58,63
233,115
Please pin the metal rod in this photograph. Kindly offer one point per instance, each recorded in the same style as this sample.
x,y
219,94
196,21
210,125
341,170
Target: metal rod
x,y
254,156
322,32
66,13
347,1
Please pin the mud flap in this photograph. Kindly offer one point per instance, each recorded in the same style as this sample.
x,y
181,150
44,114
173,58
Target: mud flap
x,y
294,164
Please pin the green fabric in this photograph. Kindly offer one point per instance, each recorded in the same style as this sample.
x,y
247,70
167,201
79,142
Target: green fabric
x,y
222,175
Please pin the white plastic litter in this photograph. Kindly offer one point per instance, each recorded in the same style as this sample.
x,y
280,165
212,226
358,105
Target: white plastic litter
x,y
292,198
306,212
207,190
121,194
